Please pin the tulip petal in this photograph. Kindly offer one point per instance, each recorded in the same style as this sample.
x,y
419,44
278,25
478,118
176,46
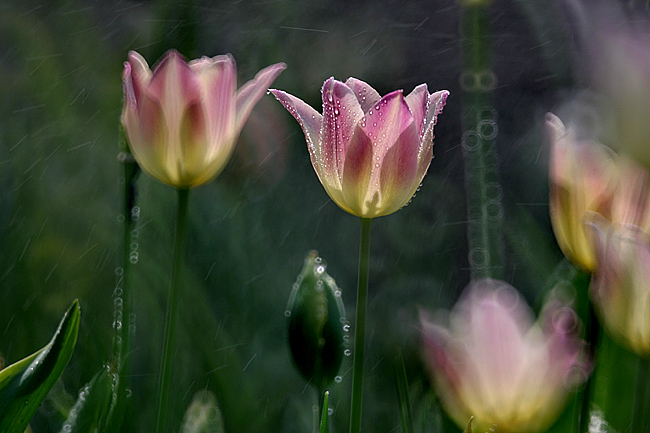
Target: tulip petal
x,y
136,77
191,167
418,101
174,85
218,78
398,176
446,358
309,120
396,143
341,113
252,91
366,95
495,321
357,173
145,126
436,103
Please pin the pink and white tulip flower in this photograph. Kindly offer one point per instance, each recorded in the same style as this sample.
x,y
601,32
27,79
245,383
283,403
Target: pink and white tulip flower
x,y
587,176
183,118
620,288
491,360
369,152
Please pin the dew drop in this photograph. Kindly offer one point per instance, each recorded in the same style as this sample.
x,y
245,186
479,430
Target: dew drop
x,y
347,352
338,379
287,313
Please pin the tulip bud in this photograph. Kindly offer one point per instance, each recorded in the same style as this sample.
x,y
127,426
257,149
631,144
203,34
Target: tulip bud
x,y
315,314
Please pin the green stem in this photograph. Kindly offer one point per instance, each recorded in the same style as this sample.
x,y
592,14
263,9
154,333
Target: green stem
x,y
593,338
164,378
641,398
484,206
360,328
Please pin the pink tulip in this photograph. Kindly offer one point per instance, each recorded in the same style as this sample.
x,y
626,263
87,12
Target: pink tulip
x,y
183,118
582,178
369,152
586,176
620,288
492,361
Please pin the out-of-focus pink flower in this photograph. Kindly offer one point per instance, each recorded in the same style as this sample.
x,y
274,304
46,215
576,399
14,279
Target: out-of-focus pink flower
x,y
586,176
620,288
369,152
492,361
183,118
582,177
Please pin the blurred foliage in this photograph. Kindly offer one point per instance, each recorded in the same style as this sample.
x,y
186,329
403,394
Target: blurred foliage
x,y
60,230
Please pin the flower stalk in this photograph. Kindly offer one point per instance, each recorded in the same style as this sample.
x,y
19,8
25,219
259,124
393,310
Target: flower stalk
x,y
165,374
484,207
360,327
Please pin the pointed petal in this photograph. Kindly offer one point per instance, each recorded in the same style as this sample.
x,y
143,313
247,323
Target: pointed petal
x,y
252,91
398,177
366,95
446,359
174,86
190,170
357,173
418,101
136,77
437,102
341,113
495,322
309,120
147,135
218,78
389,126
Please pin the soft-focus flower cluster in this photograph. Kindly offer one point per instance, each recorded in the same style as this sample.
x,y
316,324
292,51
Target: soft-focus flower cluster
x,y
491,360
369,152
183,118
600,209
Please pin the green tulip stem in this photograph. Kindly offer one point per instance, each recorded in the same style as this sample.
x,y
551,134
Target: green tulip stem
x,y
478,142
164,378
593,336
124,325
360,327
641,403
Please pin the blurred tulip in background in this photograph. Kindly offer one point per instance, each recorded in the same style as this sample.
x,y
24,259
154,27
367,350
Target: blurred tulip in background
x,y
493,361
183,118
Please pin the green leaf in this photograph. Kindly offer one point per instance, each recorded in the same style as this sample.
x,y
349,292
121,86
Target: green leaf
x,y
326,408
25,384
93,401
203,415
403,396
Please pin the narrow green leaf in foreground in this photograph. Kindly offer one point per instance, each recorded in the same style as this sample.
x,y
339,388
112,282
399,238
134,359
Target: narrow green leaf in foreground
x,y
24,385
